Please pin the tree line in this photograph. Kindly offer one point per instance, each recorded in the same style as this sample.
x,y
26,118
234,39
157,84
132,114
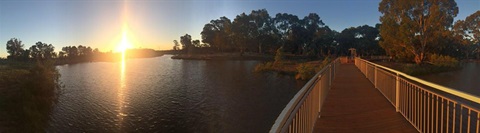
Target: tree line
x,y
44,51
260,33
409,31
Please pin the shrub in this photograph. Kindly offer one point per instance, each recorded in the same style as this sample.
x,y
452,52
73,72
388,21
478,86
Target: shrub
x,y
30,94
443,61
305,71
280,55
261,67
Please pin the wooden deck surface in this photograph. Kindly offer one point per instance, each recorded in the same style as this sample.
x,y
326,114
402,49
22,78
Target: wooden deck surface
x,y
354,105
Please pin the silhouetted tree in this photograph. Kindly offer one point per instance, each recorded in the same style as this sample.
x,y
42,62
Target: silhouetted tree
x,y
42,51
196,43
186,42
14,48
176,46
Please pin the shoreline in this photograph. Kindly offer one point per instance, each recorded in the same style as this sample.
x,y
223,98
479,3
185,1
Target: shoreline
x,y
224,56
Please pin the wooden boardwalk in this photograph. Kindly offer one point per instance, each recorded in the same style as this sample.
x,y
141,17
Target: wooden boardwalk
x,y
354,105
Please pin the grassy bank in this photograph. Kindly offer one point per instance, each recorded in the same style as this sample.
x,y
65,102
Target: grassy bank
x,y
436,64
28,91
223,56
302,70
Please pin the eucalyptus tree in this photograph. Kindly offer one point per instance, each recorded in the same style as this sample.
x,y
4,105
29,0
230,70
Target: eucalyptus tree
x,y
413,28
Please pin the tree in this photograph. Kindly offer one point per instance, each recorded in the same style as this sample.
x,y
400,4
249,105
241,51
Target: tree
x,y
176,46
14,48
467,34
196,43
42,51
217,33
363,38
412,29
186,42
241,32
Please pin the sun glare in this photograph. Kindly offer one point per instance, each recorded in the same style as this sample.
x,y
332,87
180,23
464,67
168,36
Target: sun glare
x,y
124,44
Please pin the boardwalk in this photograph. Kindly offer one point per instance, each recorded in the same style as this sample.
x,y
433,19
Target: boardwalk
x,y
354,105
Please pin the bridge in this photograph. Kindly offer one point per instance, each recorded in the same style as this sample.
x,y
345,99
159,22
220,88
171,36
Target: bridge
x,y
367,97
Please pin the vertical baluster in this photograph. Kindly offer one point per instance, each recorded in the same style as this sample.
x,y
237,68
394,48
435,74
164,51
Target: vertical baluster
x,y
478,122
415,113
468,124
427,113
448,115
461,119
434,107
454,108
436,114
441,116
422,105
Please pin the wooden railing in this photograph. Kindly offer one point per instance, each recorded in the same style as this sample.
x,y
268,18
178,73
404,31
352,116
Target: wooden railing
x,y
302,111
427,106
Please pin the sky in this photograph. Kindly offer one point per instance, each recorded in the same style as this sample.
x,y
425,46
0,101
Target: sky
x,y
156,23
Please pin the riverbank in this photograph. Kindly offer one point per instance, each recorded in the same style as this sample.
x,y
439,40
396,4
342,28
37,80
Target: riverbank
x,y
301,69
28,90
224,56
419,70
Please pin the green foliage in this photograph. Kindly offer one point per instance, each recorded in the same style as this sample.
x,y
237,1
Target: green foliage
x,y
443,61
263,67
280,55
363,38
259,32
28,95
402,34
15,48
305,71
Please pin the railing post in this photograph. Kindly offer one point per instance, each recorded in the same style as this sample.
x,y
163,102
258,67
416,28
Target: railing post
x,y
375,76
366,69
397,93
330,78
319,95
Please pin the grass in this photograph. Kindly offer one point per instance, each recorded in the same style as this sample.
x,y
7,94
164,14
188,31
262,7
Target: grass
x,y
302,70
28,92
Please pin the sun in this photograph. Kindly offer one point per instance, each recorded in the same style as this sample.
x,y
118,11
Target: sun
x,y
124,44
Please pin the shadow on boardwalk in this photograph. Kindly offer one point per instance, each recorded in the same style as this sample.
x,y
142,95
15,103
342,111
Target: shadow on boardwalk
x,y
354,105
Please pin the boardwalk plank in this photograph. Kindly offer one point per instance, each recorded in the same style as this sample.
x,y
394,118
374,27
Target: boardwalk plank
x,y
354,105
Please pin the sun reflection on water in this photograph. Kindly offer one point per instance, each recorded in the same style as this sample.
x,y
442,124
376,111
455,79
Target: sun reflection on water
x,y
121,96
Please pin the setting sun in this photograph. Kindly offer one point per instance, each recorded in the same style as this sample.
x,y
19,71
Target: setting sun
x,y
124,44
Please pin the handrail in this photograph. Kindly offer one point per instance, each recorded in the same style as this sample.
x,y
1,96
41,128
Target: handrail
x,y
461,94
291,111
420,104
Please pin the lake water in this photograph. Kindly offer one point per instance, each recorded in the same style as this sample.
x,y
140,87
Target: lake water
x,y
466,79
164,95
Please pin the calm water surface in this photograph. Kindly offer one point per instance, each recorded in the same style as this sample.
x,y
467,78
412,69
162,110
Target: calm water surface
x,y
165,95
466,79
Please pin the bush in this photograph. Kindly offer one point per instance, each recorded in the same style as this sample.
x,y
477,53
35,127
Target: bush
x,y
28,95
280,55
305,71
443,61
262,67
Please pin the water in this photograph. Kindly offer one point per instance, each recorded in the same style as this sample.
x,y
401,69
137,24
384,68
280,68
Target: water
x,y
165,95
466,79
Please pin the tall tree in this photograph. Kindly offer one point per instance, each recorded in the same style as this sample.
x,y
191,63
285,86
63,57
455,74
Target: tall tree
x,y
14,48
186,42
412,28
241,32
176,46
467,34
42,51
217,33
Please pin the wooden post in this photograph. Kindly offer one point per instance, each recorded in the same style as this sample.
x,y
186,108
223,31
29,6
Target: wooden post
x,y
397,94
